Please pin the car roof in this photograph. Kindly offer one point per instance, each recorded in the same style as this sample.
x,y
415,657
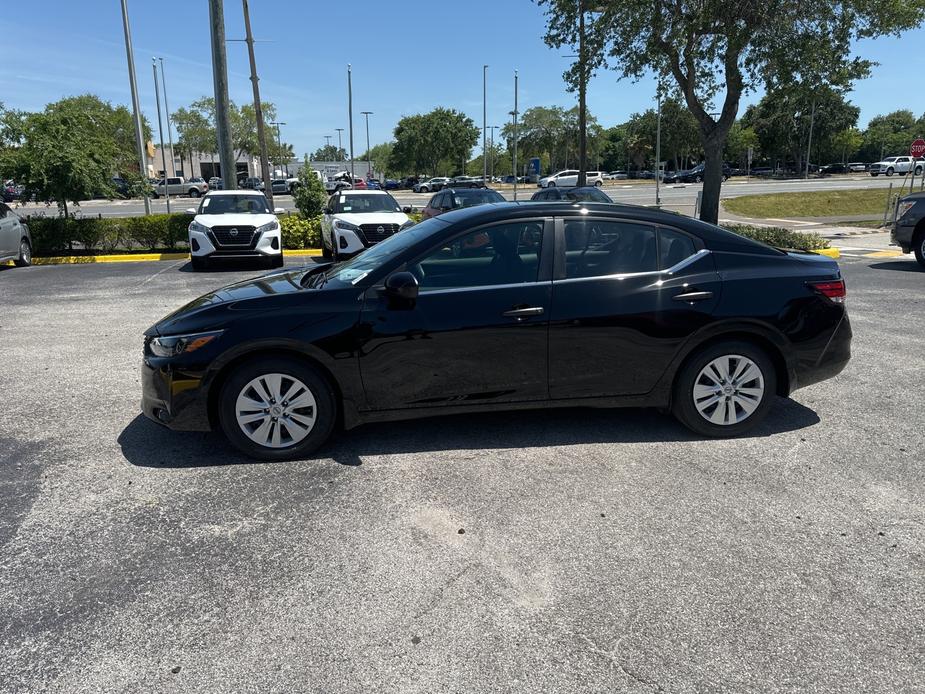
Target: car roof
x,y
362,192
213,193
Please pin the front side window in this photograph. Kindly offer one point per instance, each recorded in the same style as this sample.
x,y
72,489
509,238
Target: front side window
x,y
596,248
502,254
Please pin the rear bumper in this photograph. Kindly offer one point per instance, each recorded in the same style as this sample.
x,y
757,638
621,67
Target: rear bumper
x,y
832,360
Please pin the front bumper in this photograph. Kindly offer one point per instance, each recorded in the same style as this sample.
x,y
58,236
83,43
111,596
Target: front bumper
x,y
267,244
901,235
174,398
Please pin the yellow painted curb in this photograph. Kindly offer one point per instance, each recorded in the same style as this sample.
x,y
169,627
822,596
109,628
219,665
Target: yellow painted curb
x,y
884,254
134,257
304,252
830,252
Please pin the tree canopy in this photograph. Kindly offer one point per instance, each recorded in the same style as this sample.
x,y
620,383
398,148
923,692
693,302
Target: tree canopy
x,y
425,142
329,153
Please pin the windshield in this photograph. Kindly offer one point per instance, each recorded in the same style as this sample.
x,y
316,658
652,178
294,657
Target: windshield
x,y
373,257
365,203
234,204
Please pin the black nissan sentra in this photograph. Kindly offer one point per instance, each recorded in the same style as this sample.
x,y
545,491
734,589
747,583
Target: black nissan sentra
x,y
504,306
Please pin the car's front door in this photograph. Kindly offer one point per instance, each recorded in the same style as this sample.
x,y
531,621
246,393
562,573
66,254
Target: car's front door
x,y
625,297
477,333
9,232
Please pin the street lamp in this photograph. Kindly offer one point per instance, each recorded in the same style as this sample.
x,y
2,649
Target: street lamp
x,y
327,140
369,169
484,123
279,142
340,147
492,149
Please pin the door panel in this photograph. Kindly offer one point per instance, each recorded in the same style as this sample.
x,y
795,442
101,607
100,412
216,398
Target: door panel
x,y
9,238
615,323
477,332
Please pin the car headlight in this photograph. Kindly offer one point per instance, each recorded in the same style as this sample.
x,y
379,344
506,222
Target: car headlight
x,y
196,226
406,225
173,345
341,225
269,226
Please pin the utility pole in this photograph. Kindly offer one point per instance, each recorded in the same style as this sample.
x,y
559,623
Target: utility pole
x,y
258,109
340,147
582,94
809,144
658,146
279,143
327,140
167,114
515,114
484,123
136,105
160,128
491,148
369,171
350,115
220,80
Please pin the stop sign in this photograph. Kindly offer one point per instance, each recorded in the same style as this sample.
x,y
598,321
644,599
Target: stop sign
x,y
917,149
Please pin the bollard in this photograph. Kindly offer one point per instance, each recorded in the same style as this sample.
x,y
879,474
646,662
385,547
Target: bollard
x,y
698,203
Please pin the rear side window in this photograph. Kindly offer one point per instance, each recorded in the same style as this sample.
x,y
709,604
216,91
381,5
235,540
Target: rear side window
x,y
596,248
674,247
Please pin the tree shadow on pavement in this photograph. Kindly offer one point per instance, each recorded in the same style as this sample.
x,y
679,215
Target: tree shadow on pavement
x,y
147,444
899,266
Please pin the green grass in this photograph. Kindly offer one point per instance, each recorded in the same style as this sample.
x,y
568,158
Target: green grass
x,y
814,204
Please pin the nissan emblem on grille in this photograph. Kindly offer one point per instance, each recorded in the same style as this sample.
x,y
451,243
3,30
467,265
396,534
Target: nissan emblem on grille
x,y
233,232
380,230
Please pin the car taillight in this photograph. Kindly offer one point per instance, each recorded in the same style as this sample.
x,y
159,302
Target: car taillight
x,y
834,289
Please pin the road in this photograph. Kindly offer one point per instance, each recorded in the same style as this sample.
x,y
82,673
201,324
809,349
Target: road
x,y
680,197
560,551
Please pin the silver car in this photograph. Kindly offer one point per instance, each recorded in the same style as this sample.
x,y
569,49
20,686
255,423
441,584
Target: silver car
x,y
15,242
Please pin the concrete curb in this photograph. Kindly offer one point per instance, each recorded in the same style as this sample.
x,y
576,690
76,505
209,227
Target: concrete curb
x,y
136,257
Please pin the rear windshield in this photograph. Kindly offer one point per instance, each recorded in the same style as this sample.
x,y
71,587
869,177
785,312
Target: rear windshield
x,y
476,197
234,204
586,195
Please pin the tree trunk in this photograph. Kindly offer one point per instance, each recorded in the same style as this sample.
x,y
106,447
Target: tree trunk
x,y
712,177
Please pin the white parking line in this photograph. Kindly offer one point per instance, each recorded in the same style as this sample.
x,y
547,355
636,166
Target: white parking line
x,y
795,221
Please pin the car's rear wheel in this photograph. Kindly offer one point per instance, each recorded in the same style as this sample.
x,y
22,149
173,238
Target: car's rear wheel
x,y
277,408
698,179
25,254
194,193
918,170
725,389
919,247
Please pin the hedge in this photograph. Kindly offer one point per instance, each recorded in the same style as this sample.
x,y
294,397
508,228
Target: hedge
x,y
780,237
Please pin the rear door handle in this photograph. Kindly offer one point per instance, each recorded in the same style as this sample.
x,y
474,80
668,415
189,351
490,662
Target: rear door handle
x,y
693,296
520,313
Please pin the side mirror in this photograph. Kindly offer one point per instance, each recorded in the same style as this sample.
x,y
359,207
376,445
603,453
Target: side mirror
x,y
402,285
327,210
407,210
279,210
191,210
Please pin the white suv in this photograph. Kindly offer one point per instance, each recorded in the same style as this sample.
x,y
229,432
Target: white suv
x,y
235,224
569,178
356,219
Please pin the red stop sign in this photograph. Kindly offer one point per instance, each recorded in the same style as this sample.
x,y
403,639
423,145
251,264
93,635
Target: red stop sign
x,y
917,148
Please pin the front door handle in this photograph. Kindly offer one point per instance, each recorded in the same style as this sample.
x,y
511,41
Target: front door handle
x,y
693,296
521,313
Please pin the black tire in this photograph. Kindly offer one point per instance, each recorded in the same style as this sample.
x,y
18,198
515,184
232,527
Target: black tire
x,y
874,174
698,179
599,183
277,261
918,170
683,406
335,256
918,247
25,254
326,252
889,171
325,410
199,263
194,193
551,184
155,195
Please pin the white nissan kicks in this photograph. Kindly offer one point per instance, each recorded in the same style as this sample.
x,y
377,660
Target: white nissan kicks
x,y
235,224
357,219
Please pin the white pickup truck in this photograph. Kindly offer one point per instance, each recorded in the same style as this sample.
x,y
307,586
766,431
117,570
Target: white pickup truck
x,y
177,187
899,165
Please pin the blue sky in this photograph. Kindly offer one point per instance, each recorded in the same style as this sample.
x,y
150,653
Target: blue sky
x,y
407,57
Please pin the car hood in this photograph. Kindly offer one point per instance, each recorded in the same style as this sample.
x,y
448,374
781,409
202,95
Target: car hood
x,y
226,220
359,218
217,308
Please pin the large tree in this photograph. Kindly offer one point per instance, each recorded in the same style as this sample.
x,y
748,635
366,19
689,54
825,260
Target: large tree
x,y
551,133
717,50
890,135
424,142
329,153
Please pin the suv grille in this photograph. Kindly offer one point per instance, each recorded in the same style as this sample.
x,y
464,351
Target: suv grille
x,y
233,237
375,233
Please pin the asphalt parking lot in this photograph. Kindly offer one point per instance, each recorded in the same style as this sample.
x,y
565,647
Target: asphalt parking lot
x,y
559,551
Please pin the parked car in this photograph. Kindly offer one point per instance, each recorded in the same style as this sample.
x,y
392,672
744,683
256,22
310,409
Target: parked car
x,y
694,175
900,165
569,178
280,186
617,176
391,184
354,220
857,166
373,184
430,185
120,186
584,194
216,183
401,331
251,183
908,231
834,168
15,241
234,224
454,199
11,191
177,187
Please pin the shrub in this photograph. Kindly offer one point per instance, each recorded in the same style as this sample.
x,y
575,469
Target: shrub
x,y
780,237
49,234
310,196
52,235
299,233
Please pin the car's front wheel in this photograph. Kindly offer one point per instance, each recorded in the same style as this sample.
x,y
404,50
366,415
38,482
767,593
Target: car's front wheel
x,y
889,171
598,183
725,389
919,248
277,408
25,254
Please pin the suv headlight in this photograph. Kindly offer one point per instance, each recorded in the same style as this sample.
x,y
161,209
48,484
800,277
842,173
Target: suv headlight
x,y
903,208
269,226
196,226
179,344
341,225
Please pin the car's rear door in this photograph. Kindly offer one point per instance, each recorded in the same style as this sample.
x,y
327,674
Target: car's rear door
x,y
626,295
476,334
9,241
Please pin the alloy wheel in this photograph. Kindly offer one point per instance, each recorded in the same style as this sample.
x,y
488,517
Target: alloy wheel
x,y
25,253
728,390
276,410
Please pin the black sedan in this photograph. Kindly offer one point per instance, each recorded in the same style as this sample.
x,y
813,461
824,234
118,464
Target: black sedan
x,y
694,175
553,304
583,194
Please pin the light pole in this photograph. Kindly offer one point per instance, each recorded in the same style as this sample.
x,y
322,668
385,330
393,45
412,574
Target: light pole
x,y
484,123
220,81
258,109
809,144
582,99
491,149
350,116
160,128
279,143
327,140
515,114
167,116
369,170
136,105
658,146
340,147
